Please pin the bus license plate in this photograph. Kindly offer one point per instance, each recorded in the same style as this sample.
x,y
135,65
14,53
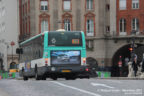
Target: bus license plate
x,y
66,70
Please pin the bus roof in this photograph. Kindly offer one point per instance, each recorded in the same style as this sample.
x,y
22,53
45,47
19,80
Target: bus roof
x,y
43,34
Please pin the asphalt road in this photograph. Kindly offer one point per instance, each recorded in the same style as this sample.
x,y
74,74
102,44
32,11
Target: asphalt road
x,y
79,87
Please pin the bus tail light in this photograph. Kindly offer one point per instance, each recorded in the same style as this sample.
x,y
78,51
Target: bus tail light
x,y
84,61
87,69
46,62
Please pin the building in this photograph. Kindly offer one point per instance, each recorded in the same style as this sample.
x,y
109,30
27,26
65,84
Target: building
x,y
8,32
107,35
47,15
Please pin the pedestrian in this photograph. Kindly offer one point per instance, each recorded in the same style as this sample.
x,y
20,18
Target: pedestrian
x,y
134,64
142,63
126,61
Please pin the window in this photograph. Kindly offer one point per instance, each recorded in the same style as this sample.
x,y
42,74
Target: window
x,y
44,22
29,25
107,7
122,4
44,26
89,4
3,11
90,27
135,24
67,24
89,45
107,28
135,4
66,4
122,25
44,5
28,5
67,21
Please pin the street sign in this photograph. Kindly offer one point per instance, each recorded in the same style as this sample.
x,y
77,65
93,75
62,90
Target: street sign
x,y
12,43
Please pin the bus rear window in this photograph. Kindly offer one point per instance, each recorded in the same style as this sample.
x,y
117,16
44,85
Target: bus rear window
x,y
64,39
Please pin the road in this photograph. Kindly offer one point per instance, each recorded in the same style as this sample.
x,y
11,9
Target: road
x,y
79,87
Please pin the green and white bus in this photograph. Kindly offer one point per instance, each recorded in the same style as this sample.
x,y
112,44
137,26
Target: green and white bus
x,y
57,54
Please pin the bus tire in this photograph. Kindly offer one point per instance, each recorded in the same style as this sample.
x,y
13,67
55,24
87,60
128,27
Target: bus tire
x,y
44,77
25,78
54,78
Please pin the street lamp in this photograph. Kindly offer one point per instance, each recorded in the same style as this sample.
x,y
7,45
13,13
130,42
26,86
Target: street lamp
x,y
133,33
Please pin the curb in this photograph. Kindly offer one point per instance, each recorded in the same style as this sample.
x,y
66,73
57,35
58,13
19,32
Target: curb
x,y
120,78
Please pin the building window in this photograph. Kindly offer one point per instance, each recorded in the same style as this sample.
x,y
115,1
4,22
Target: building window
x,y
29,26
135,24
66,4
44,26
107,29
23,10
135,4
28,5
67,21
89,45
122,4
90,27
122,25
3,11
44,23
44,5
67,24
90,24
107,7
89,4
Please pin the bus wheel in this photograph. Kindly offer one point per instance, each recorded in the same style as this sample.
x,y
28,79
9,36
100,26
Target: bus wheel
x,y
25,78
54,78
43,77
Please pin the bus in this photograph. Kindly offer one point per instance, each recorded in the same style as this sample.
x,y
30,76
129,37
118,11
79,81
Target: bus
x,y
13,67
55,54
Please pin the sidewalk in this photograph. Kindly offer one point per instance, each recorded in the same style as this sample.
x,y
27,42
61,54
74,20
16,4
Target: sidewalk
x,y
121,78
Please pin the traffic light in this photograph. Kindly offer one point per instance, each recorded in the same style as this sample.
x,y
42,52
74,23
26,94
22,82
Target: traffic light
x,y
130,49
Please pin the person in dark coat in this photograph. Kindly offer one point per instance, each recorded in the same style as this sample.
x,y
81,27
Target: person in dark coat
x,y
142,64
134,64
135,68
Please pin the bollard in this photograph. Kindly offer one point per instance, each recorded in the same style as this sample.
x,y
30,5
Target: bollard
x,y
0,77
3,76
13,75
99,74
6,75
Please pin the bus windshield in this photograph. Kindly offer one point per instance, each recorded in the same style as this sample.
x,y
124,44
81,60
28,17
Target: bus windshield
x,y
64,39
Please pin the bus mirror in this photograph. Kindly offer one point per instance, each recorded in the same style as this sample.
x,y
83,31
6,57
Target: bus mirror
x,y
19,51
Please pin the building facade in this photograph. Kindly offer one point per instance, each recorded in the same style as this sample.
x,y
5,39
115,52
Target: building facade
x,y
8,33
71,15
107,28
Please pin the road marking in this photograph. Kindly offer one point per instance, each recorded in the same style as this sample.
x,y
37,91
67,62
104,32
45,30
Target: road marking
x,y
114,81
103,85
81,90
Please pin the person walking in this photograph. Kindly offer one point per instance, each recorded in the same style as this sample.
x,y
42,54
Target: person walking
x,y
134,64
142,63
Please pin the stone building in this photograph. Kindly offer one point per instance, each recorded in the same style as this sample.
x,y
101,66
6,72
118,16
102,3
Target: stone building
x,y
99,19
8,33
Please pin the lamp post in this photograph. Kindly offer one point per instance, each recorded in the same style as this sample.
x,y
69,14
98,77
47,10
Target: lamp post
x,y
12,44
133,33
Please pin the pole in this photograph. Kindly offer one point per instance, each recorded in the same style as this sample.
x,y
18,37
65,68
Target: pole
x,y
12,53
